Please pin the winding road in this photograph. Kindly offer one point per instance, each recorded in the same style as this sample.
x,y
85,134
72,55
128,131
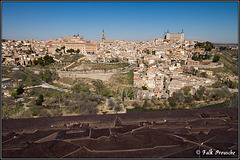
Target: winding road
x,y
46,85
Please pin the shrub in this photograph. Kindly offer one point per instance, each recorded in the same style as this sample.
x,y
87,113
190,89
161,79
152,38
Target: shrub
x,y
13,94
80,87
144,88
44,113
135,104
56,112
20,90
39,100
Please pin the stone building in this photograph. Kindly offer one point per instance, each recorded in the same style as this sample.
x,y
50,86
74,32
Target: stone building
x,y
6,82
103,36
174,36
82,45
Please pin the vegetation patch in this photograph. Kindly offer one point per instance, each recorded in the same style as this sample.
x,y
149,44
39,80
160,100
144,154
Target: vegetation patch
x,y
67,80
123,78
69,58
229,62
48,76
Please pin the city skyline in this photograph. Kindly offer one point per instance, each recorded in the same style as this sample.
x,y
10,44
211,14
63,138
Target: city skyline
x,y
131,21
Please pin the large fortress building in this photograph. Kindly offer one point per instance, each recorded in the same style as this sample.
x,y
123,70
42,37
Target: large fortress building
x,y
174,36
78,42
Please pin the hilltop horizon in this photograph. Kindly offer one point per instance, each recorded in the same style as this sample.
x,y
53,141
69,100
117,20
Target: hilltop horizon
x,y
216,22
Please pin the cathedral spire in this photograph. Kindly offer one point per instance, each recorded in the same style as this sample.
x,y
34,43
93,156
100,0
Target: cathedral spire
x,y
103,35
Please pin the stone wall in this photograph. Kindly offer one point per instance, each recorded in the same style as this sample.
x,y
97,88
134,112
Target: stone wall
x,y
206,66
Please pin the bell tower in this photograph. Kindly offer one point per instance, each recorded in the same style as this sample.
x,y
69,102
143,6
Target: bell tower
x,y
103,35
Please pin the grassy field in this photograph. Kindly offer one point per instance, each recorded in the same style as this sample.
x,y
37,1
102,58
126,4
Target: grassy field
x,y
123,78
98,66
227,59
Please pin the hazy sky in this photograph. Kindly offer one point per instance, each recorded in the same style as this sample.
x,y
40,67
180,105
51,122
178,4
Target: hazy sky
x,y
206,21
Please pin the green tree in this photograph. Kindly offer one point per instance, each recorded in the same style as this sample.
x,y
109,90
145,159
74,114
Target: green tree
x,y
234,84
106,92
39,100
80,87
131,76
40,61
98,84
35,62
147,51
218,94
216,58
177,99
48,60
217,84
200,45
70,50
63,48
186,90
101,89
20,90
48,76
127,93
144,88
200,93
207,45
57,50
208,48
189,100
77,51
13,94
29,78
195,57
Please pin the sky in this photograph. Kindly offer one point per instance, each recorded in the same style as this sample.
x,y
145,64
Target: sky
x,y
216,22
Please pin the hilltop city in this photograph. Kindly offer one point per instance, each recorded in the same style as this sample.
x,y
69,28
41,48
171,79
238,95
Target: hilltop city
x,y
164,98
43,78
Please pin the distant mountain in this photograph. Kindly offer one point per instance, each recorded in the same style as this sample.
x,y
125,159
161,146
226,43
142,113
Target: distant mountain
x,y
227,44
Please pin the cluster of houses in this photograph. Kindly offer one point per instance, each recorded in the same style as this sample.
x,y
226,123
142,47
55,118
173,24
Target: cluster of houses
x,y
160,62
165,72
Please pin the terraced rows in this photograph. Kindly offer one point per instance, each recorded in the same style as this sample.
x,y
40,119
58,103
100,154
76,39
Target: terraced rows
x,y
165,134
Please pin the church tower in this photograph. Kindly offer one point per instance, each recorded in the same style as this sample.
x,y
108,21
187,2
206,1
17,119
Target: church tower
x,y
103,35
